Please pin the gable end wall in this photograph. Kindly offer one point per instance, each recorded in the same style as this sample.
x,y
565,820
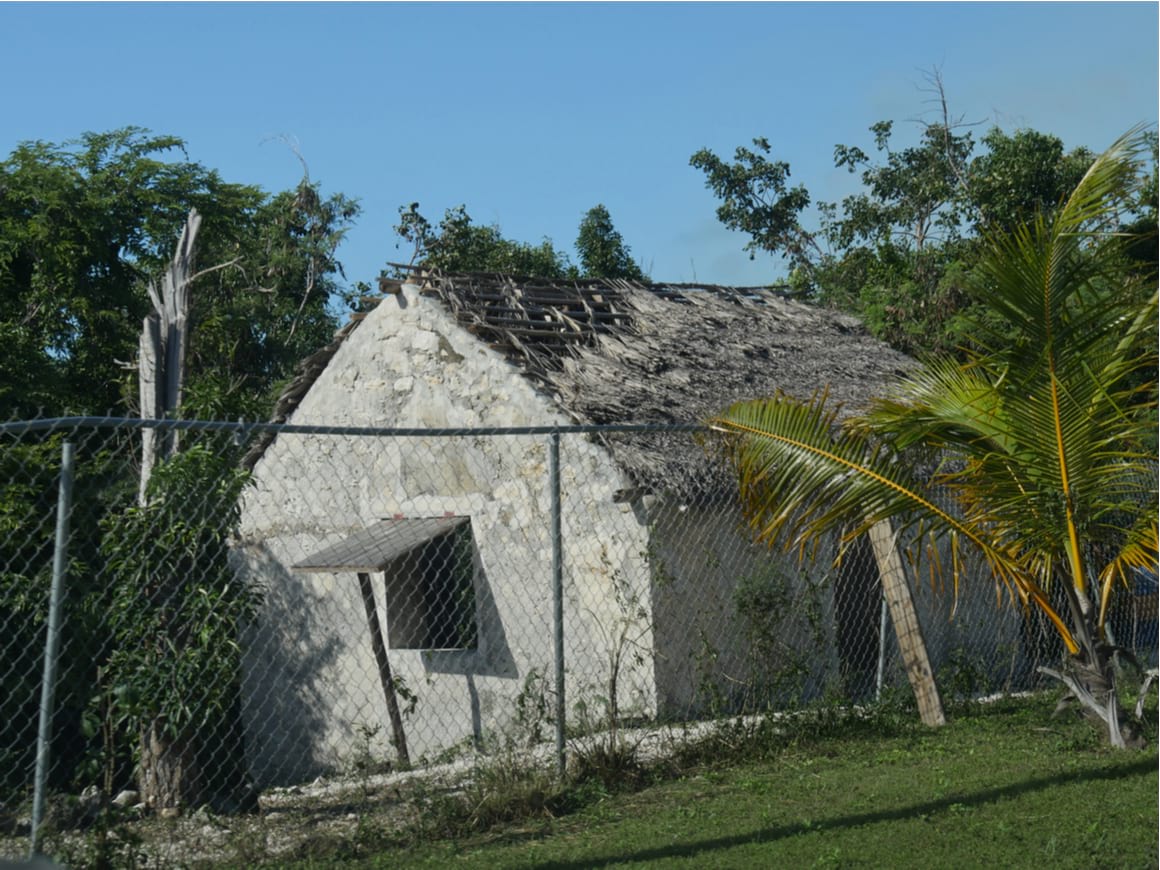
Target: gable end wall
x,y
313,703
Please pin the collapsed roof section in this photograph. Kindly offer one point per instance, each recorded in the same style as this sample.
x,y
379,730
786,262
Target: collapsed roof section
x,y
612,351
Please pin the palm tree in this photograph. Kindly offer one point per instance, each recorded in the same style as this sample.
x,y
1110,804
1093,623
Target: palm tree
x,y
1045,441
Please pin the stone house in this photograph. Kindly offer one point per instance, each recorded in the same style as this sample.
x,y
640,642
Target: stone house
x,y
407,579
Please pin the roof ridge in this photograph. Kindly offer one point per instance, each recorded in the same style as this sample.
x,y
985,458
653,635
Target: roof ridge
x,y
607,350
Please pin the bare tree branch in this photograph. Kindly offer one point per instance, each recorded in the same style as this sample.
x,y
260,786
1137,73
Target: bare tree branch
x,y
937,89
219,266
291,142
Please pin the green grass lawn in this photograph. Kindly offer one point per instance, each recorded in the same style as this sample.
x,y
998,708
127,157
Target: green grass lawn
x,y
1001,786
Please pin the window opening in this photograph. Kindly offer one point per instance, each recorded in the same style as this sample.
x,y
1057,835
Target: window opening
x,y
430,594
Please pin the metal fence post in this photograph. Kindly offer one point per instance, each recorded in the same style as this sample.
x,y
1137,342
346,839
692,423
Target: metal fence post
x,y
881,675
52,643
557,595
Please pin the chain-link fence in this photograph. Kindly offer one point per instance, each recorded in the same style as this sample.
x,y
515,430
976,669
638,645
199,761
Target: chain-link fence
x,y
288,603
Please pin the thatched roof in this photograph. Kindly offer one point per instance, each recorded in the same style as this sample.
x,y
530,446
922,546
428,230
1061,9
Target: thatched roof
x,y
635,352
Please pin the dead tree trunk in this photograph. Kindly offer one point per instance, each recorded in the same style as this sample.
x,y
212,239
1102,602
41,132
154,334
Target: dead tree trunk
x,y
161,362
169,775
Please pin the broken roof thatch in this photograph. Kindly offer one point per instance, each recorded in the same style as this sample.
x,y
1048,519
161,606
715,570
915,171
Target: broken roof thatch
x,y
635,352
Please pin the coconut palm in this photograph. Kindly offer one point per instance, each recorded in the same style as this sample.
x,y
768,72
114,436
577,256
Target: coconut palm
x,y
1044,438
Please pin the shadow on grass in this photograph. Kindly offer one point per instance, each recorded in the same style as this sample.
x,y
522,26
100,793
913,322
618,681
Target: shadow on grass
x,y
764,835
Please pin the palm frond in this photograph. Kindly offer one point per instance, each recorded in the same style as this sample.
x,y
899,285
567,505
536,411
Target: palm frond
x,y
1137,552
941,406
1038,440
1051,281
1041,275
802,476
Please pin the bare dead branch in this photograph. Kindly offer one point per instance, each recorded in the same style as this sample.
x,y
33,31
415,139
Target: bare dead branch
x,y
936,88
305,297
216,268
291,142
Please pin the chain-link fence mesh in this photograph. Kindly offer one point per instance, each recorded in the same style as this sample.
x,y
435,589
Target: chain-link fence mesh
x,y
343,603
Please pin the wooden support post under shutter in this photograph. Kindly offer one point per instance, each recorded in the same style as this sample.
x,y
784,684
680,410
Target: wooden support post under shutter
x,y
896,588
398,737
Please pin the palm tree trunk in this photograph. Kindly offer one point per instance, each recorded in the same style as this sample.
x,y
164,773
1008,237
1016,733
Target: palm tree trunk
x,y
1090,674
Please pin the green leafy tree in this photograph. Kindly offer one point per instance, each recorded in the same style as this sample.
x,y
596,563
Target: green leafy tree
x,y
77,226
756,199
1041,441
899,252
84,225
911,196
603,253
173,667
1020,175
458,244
29,471
880,253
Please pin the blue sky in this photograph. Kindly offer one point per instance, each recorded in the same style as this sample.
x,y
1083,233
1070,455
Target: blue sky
x,y
530,114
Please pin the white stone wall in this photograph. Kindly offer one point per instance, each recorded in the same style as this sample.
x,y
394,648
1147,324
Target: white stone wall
x,y
313,703
703,655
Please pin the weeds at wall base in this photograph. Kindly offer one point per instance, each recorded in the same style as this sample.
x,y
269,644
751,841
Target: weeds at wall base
x,y
509,791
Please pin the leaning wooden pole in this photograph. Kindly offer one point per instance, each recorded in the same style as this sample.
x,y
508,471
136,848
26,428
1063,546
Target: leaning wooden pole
x,y
398,735
896,589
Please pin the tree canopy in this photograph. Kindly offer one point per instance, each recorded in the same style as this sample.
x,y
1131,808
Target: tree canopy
x,y
756,199
84,226
458,244
603,253
900,252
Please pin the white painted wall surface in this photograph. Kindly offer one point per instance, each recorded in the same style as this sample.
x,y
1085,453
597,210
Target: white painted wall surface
x,y
313,703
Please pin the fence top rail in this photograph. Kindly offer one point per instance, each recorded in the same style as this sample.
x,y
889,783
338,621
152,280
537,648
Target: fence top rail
x,y
243,428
